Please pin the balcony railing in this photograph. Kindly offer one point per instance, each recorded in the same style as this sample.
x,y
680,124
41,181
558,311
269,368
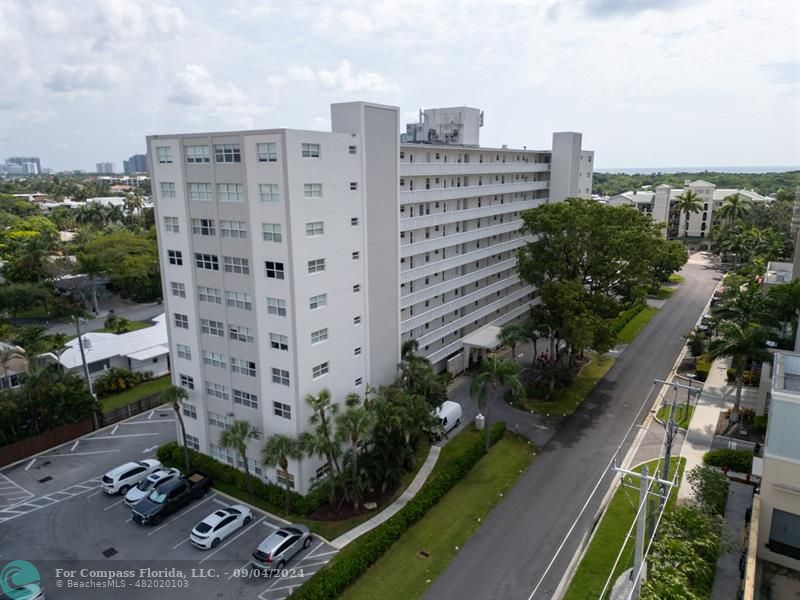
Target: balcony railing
x,y
445,241
453,216
474,168
472,191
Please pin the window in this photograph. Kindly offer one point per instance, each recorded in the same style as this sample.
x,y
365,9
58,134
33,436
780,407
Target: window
x,y
278,342
358,382
322,472
318,301
227,153
220,453
351,149
245,398
312,190
230,192
187,381
201,192
319,370
268,192
175,257
357,351
233,229
353,186
181,321
212,327
310,150
243,367
167,189
356,255
319,336
178,289
189,410
315,228
316,266
241,334
206,261
356,288
282,410
356,320
784,534
193,442
272,232
280,376
164,154
235,264
209,294
267,152
353,220
197,154
276,306
204,227
239,300
184,351
214,359
171,225
274,269
216,390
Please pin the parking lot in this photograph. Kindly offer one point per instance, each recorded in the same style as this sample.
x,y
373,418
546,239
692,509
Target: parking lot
x,y
67,520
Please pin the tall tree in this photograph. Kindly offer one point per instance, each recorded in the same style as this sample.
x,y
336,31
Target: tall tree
x,y
688,203
353,425
91,265
277,452
734,208
495,372
510,336
236,438
58,345
175,395
783,303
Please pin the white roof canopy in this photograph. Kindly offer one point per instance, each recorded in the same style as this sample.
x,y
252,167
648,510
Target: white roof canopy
x,y
484,337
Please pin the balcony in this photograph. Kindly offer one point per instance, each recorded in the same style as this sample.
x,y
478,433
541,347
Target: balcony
x,y
462,259
472,191
445,241
456,282
456,303
449,328
475,168
453,216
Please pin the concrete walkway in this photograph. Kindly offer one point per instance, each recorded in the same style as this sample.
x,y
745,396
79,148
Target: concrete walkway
x,y
389,511
727,578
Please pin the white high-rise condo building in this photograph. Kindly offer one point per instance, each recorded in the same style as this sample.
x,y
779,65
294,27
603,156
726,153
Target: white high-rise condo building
x,y
295,261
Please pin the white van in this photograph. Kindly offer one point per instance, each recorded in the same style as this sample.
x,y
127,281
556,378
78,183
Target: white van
x,y
449,415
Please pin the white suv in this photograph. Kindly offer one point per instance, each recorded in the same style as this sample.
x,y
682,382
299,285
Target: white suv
x,y
152,481
128,475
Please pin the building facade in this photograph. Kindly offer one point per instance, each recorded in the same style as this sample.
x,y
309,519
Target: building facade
x,y
135,164
105,167
296,261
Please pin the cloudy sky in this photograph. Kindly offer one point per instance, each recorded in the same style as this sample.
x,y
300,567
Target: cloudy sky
x,y
649,83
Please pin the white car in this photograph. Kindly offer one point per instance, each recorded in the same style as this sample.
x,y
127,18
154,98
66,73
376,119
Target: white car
x,y
152,481
124,477
220,524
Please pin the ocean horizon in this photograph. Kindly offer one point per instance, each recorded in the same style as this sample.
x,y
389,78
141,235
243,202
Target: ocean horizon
x,y
669,170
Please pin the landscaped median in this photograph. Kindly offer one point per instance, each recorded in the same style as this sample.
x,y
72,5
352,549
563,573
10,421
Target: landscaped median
x,y
683,415
356,558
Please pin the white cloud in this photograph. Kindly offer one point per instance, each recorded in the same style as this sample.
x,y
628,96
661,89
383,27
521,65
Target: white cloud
x,y
344,78
81,78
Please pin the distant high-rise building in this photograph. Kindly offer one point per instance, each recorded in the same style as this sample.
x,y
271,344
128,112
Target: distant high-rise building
x,y
30,165
135,164
105,167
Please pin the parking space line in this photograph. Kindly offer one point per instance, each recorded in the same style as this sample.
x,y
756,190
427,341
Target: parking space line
x,y
82,453
244,530
218,501
324,562
113,431
30,464
160,527
8,484
285,587
150,416
110,506
95,494
148,422
125,435
268,524
312,551
244,566
129,519
75,445
180,543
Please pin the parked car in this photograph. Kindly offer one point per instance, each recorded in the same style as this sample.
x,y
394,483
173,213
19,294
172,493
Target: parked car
x,y
124,477
173,495
449,415
209,532
279,548
153,480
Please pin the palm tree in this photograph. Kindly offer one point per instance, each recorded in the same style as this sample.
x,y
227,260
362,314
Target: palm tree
x,y
494,372
236,437
353,425
511,335
688,203
58,345
323,408
91,266
410,363
743,305
783,302
740,343
277,452
316,443
175,395
734,208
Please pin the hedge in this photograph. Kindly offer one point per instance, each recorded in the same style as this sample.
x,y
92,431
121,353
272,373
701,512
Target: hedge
x,y
358,556
626,315
702,367
740,461
171,455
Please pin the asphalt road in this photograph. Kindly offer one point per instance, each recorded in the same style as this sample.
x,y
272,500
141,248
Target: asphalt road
x,y
512,552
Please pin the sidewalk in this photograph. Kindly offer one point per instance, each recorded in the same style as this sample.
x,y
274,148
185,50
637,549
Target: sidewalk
x,y
727,578
717,395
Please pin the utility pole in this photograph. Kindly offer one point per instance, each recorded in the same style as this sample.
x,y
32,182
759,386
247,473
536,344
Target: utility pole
x,y
641,528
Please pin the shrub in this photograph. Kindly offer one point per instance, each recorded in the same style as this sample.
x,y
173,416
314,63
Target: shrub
x,y
710,488
703,367
357,557
731,375
760,424
626,315
740,461
116,380
697,343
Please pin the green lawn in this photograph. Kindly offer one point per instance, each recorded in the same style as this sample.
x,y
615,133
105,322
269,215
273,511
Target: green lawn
x,y
402,572
593,570
663,293
682,415
148,388
569,399
132,326
675,278
628,333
